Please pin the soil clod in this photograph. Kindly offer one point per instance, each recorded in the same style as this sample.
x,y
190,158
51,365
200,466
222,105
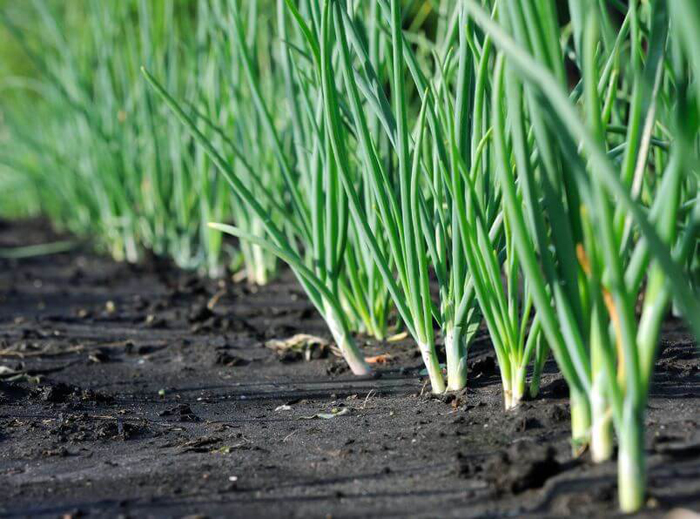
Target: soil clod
x,y
525,465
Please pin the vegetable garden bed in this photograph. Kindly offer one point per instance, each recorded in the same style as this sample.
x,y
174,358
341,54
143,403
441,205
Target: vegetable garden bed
x,y
146,391
446,244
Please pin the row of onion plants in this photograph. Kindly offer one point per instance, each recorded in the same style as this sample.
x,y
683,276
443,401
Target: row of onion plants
x,y
491,165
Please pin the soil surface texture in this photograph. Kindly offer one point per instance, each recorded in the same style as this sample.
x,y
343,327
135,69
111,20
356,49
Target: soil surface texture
x,y
145,391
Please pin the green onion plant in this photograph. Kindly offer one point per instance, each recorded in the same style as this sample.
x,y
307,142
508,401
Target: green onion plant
x,y
605,352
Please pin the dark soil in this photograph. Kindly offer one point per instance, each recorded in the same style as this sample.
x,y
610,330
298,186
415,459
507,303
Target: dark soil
x,y
147,392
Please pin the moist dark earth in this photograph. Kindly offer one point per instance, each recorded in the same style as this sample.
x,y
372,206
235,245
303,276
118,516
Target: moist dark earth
x,y
145,391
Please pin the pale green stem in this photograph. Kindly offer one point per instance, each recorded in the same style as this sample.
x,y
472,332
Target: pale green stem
x,y
631,463
437,382
507,392
517,387
456,354
346,343
580,421
601,418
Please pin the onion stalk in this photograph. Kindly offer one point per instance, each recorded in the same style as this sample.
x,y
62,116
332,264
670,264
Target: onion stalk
x,y
316,284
